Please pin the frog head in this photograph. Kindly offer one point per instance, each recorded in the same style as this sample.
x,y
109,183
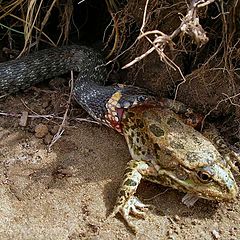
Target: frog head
x,y
189,161
213,182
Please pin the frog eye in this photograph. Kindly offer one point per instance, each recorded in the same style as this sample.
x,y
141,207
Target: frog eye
x,y
204,177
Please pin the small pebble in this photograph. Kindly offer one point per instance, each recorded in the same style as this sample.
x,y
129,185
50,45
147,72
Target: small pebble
x,y
170,234
41,130
176,218
54,129
47,139
215,234
194,222
45,104
23,119
57,82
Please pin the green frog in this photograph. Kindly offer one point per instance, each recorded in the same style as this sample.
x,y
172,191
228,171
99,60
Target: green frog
x,y
166,148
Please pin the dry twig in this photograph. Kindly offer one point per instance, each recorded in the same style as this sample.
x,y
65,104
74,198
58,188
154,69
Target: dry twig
x,y
227,98
47,117
189,26
63,124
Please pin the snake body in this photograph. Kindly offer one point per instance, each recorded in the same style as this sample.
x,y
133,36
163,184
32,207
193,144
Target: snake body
x,y
102,102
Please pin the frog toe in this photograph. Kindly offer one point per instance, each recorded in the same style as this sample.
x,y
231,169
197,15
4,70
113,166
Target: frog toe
x,y
133,206
138,209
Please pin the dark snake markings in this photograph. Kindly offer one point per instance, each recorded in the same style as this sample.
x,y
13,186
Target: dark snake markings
x,y
104,103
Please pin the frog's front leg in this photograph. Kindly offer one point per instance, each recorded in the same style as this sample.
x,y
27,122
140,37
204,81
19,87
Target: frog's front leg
x,y
127,203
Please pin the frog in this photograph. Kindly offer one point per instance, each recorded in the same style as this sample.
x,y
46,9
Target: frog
x,y
168,148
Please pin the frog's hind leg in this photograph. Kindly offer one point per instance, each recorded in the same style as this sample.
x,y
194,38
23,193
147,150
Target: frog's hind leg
x,y
232,157
187,114
127,203
236,156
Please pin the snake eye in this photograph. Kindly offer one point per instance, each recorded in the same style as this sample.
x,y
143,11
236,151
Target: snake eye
x,y
204,177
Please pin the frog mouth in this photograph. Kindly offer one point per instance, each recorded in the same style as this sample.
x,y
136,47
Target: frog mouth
x,y
210,191
190,199
214,191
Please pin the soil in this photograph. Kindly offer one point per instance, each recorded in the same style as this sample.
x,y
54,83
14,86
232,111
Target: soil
x,y
69,191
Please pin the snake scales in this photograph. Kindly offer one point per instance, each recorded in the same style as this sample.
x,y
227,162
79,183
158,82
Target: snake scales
x,y
89,90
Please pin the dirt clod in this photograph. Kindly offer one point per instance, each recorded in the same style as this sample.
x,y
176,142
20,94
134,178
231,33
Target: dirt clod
x,y
47,139
41,130
53,129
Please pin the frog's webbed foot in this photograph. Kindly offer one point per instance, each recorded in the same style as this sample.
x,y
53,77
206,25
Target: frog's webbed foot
x,y
127,203
189,199
132,206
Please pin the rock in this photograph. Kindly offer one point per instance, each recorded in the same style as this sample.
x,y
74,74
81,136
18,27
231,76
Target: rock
x,y
215,234
54,129
23,119
41,130
47,139
176,218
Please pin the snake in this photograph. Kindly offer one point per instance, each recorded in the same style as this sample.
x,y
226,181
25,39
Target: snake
x,y
104,103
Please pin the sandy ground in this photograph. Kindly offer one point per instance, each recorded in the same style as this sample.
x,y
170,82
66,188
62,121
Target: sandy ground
x,y
69,192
